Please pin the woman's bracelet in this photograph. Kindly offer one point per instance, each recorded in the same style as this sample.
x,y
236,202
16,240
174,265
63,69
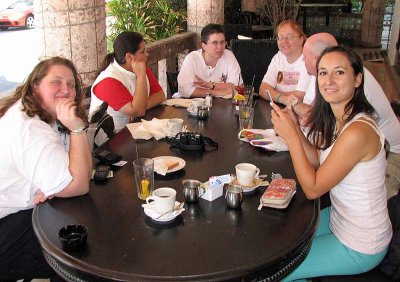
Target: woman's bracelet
x,y
79,131
278,97
294,105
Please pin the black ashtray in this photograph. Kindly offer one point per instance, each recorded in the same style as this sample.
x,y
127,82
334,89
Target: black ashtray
x,y
73,236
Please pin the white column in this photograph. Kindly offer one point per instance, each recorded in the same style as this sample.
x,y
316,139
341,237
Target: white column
x,y
74,29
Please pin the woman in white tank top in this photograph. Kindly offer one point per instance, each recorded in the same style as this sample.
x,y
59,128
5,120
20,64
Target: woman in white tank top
x,y
349,161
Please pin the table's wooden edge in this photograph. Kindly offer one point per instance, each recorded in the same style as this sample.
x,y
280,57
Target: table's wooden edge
x,y
71,269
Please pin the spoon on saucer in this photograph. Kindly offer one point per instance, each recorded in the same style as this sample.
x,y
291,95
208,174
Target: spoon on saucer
x,y
178,207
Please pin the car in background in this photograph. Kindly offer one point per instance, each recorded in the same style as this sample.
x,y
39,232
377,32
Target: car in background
x,y
19,14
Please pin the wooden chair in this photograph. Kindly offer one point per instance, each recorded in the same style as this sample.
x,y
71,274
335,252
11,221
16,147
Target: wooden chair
x,y
254,57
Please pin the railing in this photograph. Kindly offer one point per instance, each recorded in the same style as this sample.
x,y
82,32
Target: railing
x,y
163,54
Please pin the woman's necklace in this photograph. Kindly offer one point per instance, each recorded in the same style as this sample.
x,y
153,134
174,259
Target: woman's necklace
x,y
336,131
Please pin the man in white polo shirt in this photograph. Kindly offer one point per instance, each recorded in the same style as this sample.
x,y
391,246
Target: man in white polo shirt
x,y
211,69
386,119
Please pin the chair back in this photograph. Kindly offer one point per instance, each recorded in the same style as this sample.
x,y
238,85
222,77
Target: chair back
x,y
172,79
86,98
390,265
254,57
233,30
101,126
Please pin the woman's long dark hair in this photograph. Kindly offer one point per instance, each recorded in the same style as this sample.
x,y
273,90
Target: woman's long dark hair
x,y
32,103
322,118
126,42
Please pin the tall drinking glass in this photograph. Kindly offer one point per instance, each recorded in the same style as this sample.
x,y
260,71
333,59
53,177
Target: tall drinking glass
x,y
248,95
246,114
143,169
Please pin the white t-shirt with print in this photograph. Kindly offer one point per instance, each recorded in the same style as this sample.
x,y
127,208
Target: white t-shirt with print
x,y
286,77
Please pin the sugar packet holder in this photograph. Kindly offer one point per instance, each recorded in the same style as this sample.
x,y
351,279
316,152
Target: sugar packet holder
x,y
278,194
213,188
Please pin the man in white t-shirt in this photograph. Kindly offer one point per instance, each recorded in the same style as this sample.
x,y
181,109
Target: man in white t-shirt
x,y
386,119
210,70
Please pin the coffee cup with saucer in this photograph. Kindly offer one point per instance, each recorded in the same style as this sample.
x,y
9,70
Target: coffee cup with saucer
x,y
161,206
246,173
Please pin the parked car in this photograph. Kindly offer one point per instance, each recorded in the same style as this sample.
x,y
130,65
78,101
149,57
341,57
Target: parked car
x,y
19,14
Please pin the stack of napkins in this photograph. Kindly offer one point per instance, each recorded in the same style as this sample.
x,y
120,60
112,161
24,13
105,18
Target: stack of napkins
x,y
149,129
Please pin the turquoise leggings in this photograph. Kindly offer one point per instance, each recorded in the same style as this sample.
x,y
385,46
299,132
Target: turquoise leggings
x,y
328,256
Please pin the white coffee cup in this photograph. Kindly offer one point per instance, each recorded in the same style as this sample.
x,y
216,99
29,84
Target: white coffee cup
x,y
246,173
162,199
174,126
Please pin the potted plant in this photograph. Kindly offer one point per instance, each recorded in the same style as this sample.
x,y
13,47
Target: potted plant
x,y
154,19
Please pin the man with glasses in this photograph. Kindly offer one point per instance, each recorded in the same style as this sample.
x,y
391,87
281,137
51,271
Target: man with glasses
x,y
211,69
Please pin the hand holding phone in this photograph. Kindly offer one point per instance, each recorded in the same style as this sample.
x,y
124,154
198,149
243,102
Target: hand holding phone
x,y
269,94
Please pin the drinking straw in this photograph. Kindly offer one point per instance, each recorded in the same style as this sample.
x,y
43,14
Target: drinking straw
x,y
255,103
238,80
251,91
137,154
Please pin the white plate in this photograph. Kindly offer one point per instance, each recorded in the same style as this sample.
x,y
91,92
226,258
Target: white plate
x,y
151,212
181,164
256,183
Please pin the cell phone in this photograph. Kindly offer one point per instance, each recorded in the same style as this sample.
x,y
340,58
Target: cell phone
x,y
270,97
107,157
101,172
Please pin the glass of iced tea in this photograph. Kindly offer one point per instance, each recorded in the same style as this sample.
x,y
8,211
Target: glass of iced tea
x,y
143,170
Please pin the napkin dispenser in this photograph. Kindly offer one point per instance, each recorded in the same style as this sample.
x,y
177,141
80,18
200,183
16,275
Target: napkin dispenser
x,y
213,188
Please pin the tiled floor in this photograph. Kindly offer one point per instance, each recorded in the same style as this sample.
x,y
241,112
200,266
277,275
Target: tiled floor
x,y
386,75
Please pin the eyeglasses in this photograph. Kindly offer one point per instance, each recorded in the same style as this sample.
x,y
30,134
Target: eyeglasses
x,y
216,43
289,37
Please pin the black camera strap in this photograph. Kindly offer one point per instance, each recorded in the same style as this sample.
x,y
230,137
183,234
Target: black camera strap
x,y
192,141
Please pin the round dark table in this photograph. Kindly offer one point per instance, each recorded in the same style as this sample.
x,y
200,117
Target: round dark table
x,y
208,241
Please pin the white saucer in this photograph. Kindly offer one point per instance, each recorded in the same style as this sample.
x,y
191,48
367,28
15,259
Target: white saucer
x,y
251,188
151,212
181,164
